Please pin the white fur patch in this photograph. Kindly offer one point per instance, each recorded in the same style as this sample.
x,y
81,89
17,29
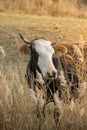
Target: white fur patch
x,y
45,51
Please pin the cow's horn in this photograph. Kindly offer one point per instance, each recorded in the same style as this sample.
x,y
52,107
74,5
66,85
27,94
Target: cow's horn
x,y
24,39
57,40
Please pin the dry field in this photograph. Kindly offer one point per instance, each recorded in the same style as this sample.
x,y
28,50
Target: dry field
x,y
17,109
46,7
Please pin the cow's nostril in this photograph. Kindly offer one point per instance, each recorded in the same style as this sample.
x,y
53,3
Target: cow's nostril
x,y
50,75
54,74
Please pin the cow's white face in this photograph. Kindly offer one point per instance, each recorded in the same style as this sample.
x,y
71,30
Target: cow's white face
x,y
45,63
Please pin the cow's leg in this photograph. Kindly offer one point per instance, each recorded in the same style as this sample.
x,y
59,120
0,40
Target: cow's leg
x,y
40,106
58,110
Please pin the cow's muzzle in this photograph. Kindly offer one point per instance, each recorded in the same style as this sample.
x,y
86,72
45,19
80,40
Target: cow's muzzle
x,y
52,75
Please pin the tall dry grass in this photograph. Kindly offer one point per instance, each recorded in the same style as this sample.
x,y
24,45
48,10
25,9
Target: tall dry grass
x,y
18,109
45,7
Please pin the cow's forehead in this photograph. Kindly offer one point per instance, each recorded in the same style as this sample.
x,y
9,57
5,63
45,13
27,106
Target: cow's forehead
x,y
42,42
43,46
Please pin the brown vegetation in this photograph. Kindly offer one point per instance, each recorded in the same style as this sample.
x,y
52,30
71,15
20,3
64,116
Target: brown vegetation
x,y
17,108
46,7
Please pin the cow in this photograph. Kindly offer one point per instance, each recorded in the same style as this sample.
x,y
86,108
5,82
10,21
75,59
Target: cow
x,y
53,78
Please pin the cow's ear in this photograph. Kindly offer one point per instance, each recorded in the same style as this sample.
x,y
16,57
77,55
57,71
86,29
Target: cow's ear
x,y
24,49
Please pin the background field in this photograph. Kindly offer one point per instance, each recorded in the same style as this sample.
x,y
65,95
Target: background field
x,y
18,110
46,7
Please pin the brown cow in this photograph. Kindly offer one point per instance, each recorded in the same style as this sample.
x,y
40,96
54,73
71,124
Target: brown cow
x,y
53,79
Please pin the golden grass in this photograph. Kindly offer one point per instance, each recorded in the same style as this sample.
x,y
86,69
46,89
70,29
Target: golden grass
x,y
48,7
18,111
